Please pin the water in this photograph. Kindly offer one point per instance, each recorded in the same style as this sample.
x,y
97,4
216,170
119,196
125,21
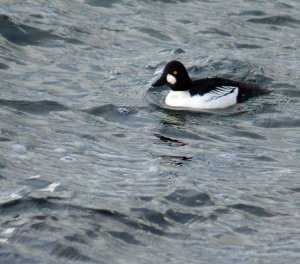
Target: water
x,y
96,169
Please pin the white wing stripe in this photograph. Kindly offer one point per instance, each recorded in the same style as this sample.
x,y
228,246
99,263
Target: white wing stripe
x,y
220,92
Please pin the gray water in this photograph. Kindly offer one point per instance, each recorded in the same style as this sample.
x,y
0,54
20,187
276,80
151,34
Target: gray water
x,y
96,169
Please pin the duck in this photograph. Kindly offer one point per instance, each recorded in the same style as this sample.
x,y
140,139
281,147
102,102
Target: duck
x,y
207,93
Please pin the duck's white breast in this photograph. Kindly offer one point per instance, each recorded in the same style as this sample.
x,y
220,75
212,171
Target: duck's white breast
x,y
211,100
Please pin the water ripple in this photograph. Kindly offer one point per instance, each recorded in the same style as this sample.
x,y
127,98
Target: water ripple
x,y
276,20
189,198
38,107
95,168
255,210
21,34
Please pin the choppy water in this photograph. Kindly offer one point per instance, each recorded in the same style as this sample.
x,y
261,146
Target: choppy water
x,y
95,169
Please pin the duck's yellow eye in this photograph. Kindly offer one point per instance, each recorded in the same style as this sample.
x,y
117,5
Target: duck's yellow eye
x,y
175,72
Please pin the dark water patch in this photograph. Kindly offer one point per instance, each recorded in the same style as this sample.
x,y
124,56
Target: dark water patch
x,y
264,158
154,33
170,141
295,189
3,66
31,205
37,107
152,216
240,71
247,134
195,69
251,209
288,122
146,198
113,30
8,256
183,218
138,225
284,85
177,134
262,107
215,31
44,226
114,113
179,217
175,160
247,46
102,3
105,212
23,35
184,21
190,198
108,110
155,66
280,20
36,183
67,67
252,13
36,16
13,60
126,220
285,5
126,237
291,93
70,253
77,238
259,80
89,137
40,217
24,203
170,1
245,230
221,211
4,139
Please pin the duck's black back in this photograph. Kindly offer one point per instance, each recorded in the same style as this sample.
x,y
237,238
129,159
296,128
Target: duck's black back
x,y
245,91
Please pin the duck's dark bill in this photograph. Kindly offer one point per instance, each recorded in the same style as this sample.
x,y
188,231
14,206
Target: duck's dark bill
x,y
161,81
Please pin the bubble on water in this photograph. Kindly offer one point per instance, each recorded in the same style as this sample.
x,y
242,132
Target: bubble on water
x,y
60,150
154,169
227,156
123,110
68,159
19,148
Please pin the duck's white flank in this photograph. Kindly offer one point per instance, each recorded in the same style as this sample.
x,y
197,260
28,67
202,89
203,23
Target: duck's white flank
x,y
221,97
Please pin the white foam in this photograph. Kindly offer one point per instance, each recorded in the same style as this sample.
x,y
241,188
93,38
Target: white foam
x,y
51,187
19,148
60,150
5,234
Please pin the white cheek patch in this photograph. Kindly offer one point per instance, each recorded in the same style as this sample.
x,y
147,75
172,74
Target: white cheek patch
x,y
171,79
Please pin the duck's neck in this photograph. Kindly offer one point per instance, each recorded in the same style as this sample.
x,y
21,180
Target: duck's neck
x,y
183,84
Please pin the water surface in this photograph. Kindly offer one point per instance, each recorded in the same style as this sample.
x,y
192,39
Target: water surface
x,y
96,169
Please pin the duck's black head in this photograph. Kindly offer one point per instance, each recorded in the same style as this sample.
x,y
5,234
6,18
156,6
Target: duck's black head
x,y
176,76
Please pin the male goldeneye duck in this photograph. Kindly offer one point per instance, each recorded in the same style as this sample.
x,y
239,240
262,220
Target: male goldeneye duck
x,y
208,93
